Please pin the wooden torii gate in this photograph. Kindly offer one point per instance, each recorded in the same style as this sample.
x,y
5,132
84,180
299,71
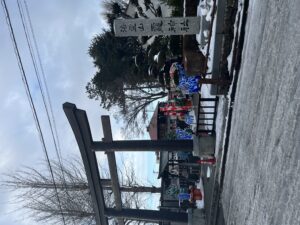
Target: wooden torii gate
x,y
87,146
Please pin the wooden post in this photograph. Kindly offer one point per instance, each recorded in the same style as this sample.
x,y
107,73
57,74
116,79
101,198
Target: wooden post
x,y
144,145
80,126
105,182
148,215
214,81
112,166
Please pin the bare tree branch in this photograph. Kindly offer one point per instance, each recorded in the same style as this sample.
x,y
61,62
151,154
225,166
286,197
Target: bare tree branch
x,y
35,192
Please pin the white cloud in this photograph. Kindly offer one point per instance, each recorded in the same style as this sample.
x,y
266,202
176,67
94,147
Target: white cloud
x,y
63,30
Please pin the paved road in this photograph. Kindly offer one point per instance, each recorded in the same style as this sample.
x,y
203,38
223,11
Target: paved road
x,y
262,177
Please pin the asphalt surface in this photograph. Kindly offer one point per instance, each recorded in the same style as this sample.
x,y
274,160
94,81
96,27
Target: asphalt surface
x,y
262,182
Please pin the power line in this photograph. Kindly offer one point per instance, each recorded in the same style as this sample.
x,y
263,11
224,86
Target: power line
x,y
53,123
39,81
31,103
43,76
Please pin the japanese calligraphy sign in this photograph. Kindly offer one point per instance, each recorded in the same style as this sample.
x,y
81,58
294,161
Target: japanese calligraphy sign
x,y
157,26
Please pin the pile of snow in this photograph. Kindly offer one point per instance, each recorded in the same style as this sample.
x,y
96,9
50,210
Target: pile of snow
x,y
229,58
132,9
204,11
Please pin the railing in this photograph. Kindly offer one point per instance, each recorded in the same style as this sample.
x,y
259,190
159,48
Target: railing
x,y
206,116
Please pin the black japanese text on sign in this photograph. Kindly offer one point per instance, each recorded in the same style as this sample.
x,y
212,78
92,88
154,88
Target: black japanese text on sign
x,y
157,26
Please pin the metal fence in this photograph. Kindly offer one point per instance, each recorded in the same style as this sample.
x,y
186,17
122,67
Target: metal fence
x,y
206,116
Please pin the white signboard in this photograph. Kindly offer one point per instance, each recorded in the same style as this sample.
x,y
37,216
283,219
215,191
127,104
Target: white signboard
x,y
157,26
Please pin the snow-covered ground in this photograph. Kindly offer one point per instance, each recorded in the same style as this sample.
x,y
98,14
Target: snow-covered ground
x,y
222,110
261,184
205,12
165,9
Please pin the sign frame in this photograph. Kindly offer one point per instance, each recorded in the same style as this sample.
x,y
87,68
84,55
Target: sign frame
x,y
157,26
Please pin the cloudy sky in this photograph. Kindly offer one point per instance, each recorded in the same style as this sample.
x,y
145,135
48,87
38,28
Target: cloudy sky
x,y
63,31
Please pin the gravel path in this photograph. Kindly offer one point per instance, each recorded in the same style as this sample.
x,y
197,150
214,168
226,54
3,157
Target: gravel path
x,y
262,178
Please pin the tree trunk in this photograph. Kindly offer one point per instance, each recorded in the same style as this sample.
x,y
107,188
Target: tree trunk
x,y
145,87
137,189
84,186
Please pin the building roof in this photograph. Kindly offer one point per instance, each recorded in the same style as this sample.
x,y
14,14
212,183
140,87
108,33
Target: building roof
x,y
153,126
163,162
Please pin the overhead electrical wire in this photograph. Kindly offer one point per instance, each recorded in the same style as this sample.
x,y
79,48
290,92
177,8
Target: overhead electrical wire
x,y
52,123
49,113
28,40
30,99
43,76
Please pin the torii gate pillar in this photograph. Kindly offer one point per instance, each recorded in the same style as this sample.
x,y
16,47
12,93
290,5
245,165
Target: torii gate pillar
x,y
80,126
